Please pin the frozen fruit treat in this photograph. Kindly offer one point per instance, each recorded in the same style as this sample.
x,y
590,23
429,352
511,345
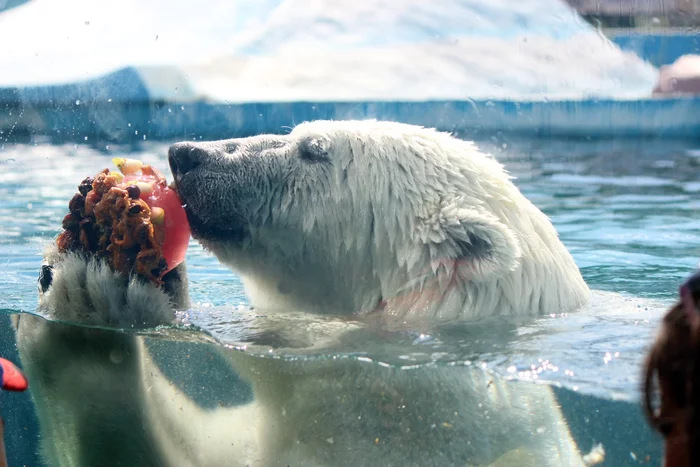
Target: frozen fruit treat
x,y
131,218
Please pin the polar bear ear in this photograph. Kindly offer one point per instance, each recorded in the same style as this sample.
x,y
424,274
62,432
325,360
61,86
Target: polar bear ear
x,y
476,243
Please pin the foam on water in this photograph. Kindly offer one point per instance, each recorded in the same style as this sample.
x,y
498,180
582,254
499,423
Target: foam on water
x,y
596,351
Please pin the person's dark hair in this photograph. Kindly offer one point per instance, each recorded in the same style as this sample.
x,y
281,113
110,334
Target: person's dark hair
x,y
671,383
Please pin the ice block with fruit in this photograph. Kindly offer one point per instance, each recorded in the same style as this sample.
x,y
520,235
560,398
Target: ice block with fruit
x,y
130,217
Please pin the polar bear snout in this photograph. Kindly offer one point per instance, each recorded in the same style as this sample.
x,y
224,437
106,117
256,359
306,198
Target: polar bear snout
x,y
220,184
184,157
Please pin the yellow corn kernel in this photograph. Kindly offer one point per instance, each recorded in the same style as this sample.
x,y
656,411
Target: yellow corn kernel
x,y
157,215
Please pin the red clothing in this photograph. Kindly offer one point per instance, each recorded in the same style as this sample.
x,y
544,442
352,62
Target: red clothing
x,y
11,377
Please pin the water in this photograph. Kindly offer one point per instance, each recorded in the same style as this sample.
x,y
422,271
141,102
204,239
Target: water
x,y
624,209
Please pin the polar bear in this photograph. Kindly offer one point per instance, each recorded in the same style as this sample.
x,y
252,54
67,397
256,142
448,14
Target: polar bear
x,y
371,224
362,216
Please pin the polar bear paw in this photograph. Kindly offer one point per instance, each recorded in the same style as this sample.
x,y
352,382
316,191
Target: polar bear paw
x,y
83,289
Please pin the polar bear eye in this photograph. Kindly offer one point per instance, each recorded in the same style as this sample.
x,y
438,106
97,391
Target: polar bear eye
x,y
314,150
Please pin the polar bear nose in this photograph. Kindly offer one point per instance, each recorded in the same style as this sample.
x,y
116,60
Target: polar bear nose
x,y
184,157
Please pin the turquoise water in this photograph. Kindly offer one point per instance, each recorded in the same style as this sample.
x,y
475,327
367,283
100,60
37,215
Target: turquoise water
x,y
626,210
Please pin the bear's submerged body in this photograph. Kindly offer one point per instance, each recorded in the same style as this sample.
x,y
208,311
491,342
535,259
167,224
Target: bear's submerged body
x,y
111,398
359,220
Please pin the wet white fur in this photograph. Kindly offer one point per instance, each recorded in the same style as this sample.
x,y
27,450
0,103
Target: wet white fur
x,y
385,220
86,290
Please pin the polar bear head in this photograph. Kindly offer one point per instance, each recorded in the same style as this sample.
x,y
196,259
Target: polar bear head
x,y
358,216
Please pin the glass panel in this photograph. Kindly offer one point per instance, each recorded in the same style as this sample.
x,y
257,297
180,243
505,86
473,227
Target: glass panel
x,y
355,293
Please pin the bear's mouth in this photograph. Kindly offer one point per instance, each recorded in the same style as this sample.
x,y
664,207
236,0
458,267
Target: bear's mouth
x,y
208,229
206,222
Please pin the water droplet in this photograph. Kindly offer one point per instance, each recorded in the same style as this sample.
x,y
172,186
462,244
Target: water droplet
x,y
136,132
77,102
86,138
